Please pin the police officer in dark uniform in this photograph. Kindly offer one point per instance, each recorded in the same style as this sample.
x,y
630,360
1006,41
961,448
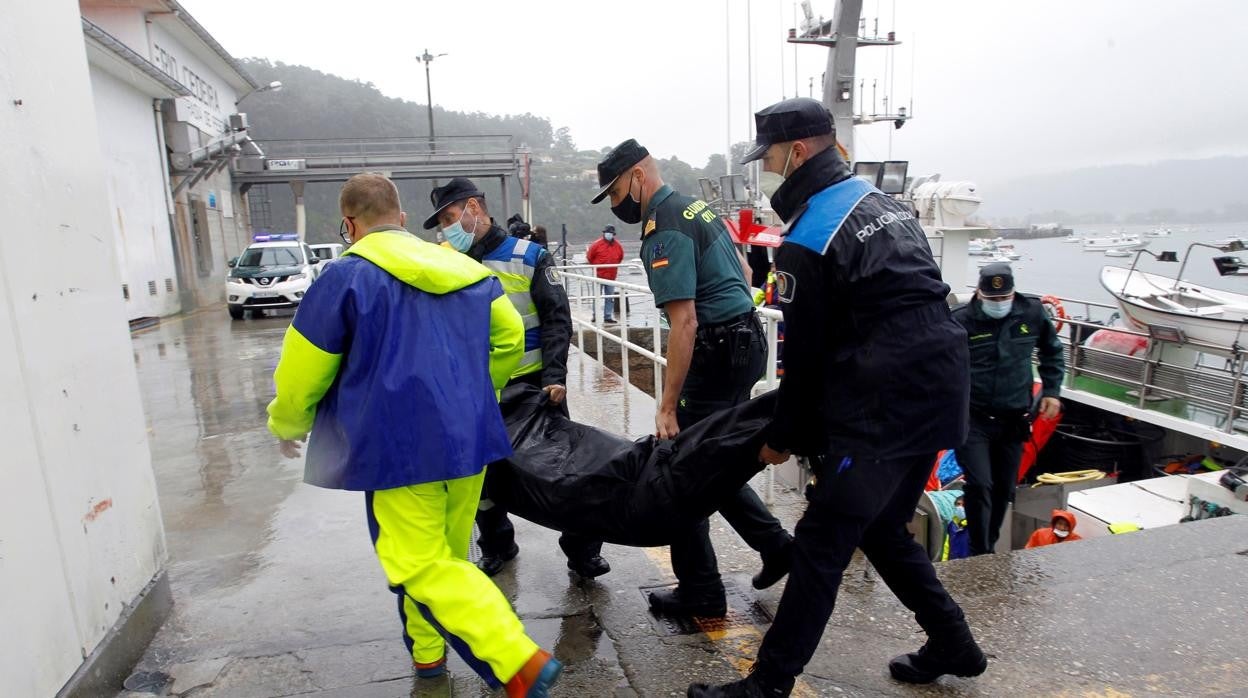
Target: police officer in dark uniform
x,y
1004,329
875,384
715,354
529,279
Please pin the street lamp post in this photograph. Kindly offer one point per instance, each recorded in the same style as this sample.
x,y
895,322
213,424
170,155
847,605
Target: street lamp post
x,y
427,58
274,86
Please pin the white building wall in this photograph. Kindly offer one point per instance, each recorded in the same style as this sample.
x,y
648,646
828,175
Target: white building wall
x,y
136,186
189,70
80,528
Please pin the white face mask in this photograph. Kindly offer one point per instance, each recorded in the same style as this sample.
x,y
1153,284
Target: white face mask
x,y
1060,533
608,236
997,309
769,182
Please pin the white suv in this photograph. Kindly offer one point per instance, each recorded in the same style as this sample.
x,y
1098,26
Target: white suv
x,y
274,272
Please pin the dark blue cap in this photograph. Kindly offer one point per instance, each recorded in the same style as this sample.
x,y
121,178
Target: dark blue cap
x,y
789,120
617,162
457,189
996,279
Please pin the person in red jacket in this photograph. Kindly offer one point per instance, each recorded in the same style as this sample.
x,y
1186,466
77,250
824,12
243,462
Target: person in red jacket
x,y
1062,530
607,250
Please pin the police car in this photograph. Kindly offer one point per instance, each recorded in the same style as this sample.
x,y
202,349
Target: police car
x,y
273,272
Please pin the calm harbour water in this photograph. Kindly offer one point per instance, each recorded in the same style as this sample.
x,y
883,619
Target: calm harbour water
x,y
1053,266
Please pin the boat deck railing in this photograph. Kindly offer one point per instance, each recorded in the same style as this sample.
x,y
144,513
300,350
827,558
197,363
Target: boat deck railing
x,y
1207,377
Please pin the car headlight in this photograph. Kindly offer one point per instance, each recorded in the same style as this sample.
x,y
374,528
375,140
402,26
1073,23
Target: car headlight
x,y
296,277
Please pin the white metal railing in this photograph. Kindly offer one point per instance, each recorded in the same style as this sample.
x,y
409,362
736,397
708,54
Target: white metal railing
x,y
583,286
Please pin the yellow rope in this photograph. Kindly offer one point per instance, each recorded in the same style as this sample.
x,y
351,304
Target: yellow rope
x,y
1067,478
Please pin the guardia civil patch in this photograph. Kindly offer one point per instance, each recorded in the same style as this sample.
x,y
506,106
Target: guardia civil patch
x,y
786,286
657,250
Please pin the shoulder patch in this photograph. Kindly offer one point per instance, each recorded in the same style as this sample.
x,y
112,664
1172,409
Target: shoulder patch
x,y
552,275
786,286
657,250
650,225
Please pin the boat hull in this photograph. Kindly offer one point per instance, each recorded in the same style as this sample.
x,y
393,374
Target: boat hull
x,y
1138,294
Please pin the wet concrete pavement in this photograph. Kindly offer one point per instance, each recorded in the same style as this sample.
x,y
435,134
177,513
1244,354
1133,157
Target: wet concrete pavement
x,y
277,591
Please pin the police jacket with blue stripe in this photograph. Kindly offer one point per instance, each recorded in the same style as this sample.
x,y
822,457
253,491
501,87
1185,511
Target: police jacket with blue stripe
x,y
875,366
550,299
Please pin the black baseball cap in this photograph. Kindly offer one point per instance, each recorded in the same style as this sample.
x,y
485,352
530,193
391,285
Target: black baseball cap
x,y
996,279
609,229
457,189
617,162
789,120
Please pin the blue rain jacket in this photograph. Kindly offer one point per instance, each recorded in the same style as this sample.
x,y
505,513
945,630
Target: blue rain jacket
x,y
393,362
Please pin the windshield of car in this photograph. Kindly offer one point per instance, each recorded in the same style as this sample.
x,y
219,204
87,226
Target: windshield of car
x,y
270,257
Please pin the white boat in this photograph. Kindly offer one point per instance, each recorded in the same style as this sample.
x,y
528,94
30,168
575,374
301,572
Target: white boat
x,y
1158,233
1125,242
994,259
1072,238
1118,252
1212,316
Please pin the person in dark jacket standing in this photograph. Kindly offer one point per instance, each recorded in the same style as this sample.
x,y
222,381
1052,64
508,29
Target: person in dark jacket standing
x,y
875,384
716,350
531,282
1004,330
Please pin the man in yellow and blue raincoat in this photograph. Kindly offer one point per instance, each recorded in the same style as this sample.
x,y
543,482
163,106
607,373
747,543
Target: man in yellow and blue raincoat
x,y
393,363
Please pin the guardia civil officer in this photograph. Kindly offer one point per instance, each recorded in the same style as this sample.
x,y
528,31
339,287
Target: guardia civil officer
x,y
530,281
715,354
875,384
1004,329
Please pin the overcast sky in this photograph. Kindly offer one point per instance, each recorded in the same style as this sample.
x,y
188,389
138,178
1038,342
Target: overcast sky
x,y
1002,89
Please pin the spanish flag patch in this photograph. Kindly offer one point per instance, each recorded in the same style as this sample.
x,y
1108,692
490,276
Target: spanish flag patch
x,y
658,263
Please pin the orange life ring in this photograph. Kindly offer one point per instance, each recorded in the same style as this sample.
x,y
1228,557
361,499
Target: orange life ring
x,y
1057,312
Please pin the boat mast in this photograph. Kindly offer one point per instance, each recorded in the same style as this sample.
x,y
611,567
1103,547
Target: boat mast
x,y
838,81
841,37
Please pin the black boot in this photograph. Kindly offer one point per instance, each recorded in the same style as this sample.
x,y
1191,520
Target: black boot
x,y
491,564
952,653
775,566
675,602
589,567
759,684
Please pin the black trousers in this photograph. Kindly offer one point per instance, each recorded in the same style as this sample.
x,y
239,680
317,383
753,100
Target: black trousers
x,y
989,458
856,505
497,534
716,382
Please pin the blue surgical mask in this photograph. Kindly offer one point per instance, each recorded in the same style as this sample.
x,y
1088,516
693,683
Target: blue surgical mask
x,y
997,309
959,513
459,238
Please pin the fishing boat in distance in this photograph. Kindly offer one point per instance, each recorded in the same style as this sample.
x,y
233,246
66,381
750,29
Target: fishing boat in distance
x,y
1112,242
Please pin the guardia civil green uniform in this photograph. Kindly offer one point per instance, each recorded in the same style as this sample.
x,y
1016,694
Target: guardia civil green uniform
x,y
688,256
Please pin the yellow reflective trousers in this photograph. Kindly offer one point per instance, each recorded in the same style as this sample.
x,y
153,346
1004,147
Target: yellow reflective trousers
x,y
421,534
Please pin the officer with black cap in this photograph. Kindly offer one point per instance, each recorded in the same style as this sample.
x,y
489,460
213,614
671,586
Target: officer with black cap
x,y
875,383
527,273
715,354
1004,329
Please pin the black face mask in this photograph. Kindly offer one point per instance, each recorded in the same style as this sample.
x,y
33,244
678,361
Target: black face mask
x,y
628,210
